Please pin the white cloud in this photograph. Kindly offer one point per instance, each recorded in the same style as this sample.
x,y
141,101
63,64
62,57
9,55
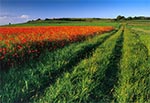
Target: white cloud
x,y
3,17
24,16
6,19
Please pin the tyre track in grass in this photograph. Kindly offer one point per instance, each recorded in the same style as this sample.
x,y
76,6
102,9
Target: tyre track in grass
x,y
86,52
134,73
111,74
110,79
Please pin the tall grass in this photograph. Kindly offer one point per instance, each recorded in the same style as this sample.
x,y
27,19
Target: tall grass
x,y
134,73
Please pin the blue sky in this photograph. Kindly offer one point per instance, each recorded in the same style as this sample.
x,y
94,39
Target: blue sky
x,y
15,11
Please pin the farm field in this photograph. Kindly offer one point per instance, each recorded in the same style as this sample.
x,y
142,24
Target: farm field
x,y
96,62
88,22
17,42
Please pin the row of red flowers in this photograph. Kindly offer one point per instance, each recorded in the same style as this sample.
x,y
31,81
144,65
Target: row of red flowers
x,y
15,41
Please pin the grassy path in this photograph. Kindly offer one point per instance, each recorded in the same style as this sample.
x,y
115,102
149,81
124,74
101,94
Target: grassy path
x,y
85,83
134,74
111,75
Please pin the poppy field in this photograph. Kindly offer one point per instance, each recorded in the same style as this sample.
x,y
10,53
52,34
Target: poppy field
x,y
75,64
16,42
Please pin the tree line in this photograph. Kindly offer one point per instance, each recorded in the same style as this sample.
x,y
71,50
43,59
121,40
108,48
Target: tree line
x,y
119,17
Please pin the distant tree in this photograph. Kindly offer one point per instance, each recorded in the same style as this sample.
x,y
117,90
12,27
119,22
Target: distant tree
x,y
148,18
142,18
135,18
129,18
9,23
38,19
119,17
29,21
46,19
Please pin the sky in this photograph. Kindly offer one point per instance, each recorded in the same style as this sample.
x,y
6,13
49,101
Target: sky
x,y
17,11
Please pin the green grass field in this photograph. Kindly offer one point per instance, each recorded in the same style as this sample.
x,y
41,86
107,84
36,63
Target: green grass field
x,y
69,23
110,68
